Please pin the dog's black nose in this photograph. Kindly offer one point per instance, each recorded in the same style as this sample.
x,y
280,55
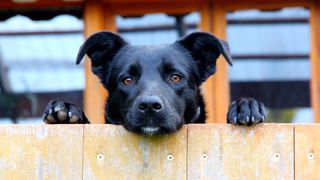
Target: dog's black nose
x,y
150,103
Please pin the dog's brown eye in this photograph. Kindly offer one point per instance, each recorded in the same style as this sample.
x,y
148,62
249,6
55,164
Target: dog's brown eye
x,y
127,81
175,78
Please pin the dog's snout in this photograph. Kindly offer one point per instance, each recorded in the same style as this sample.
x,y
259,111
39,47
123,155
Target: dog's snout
x,y
150,103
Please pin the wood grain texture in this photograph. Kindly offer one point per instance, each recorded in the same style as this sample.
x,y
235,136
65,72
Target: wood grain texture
x,y
220,151
111,152
235,152
41,151
307,152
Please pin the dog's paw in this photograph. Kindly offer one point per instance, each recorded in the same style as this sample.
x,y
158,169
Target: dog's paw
x,y
61,112
246,111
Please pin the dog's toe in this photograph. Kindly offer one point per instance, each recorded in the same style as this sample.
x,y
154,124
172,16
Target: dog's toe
x,y
74,115
232,113
246,111
60,112
48,117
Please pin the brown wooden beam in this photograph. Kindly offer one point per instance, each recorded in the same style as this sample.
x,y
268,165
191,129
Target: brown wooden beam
x,y
216,89
94,95
315,60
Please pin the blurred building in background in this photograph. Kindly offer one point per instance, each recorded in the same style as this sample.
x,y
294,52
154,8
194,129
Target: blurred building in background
x,y
270,51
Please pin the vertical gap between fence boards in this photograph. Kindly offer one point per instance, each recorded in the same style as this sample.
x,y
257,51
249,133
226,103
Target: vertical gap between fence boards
x,y
187,155
294,152
83,127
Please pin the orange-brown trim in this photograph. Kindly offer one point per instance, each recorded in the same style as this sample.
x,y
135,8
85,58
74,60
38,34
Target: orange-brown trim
x,y
216,88
94,94
315,60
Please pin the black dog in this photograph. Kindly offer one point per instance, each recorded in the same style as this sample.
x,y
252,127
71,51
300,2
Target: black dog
x,y
154,89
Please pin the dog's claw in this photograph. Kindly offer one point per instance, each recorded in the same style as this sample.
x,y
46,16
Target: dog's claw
x,y
57,108
235,120
70,114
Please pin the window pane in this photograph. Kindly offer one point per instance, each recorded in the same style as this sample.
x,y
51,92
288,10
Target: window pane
x,y
271,61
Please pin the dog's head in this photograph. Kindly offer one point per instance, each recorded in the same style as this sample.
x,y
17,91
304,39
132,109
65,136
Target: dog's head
x,y
153,89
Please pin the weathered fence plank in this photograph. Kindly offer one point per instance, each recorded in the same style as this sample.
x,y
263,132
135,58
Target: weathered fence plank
x,y
110,152
41,152
307,151
234,152
211,151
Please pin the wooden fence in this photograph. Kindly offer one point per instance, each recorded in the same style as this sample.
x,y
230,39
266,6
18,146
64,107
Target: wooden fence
x,y
210,151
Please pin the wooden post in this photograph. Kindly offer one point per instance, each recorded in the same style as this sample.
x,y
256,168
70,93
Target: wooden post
x,y
96,18
315,59
216,89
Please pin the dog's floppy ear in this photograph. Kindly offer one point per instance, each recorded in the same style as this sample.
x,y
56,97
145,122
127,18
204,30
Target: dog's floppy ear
x,y
205,49
101,47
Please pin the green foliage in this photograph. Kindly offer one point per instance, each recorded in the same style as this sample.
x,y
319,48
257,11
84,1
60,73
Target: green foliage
x,y
281,115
